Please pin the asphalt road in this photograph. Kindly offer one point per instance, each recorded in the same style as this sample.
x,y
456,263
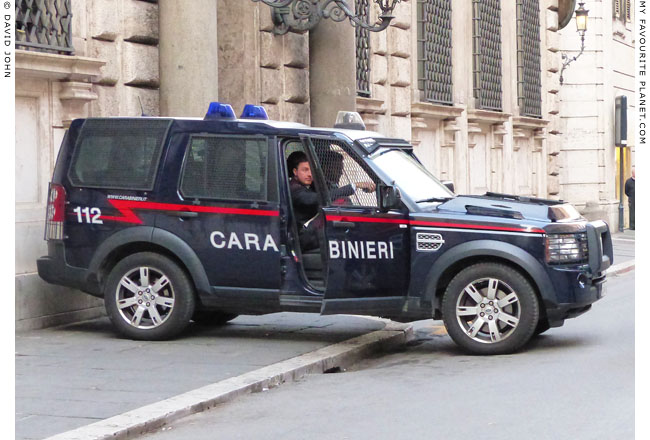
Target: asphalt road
x,y
573,382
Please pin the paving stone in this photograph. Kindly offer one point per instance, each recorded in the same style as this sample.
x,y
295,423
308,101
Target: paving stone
x,y
71,376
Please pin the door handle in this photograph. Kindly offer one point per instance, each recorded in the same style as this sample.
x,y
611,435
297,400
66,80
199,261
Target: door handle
x,y
345,225
183,214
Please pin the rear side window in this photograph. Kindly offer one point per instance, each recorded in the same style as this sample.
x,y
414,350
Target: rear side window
x,y
118,153
225,168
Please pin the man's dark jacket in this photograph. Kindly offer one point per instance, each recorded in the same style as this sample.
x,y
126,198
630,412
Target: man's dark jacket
x,y
629,189
305,206
306,201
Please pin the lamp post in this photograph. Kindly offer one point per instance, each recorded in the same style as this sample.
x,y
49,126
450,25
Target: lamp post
x,y
302,15
581,24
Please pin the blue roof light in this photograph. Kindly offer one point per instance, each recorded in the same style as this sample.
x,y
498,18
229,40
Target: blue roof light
x,y
254,112
218,110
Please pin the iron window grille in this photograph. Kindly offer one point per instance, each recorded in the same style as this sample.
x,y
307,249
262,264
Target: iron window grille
x,y
486,31
434,51
225,168
341,170
529,81
623,10
362,8
44,25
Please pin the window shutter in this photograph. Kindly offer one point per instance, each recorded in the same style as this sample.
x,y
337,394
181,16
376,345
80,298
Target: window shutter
x,y
434,50
362,8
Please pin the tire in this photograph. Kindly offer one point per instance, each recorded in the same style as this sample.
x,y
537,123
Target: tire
x,y
475,291
212,317
149,297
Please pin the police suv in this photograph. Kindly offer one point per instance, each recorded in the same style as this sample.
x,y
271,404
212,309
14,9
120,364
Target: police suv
x,y
172,220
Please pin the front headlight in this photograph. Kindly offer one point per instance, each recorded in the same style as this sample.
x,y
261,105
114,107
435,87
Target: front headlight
x,y
567,248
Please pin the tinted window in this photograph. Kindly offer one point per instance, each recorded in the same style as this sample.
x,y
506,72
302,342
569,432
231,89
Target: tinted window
x,y
118,153
225,168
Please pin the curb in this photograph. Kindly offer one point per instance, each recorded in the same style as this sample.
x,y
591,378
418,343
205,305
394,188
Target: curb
x,y
619,269
156,415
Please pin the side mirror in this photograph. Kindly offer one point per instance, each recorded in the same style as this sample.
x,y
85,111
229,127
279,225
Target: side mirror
x,y
449,184
389,197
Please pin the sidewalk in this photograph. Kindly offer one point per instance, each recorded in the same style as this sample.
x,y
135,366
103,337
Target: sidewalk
x,y
76,375
623,246
73,376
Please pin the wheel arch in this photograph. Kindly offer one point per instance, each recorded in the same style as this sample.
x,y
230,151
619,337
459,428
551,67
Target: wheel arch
x,y
147,239
469,253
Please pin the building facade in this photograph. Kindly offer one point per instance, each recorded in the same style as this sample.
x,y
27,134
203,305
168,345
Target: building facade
x,y
589,160
473,84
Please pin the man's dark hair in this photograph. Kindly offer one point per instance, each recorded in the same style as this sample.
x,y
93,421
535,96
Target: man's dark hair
x,y
295,159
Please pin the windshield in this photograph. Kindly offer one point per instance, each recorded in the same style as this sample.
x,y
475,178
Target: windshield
x,y
410,176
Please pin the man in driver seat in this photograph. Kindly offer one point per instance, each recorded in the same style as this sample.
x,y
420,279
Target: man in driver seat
x,y
305,199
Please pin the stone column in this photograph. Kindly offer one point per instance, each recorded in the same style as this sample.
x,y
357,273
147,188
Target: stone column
x,y
332,66
188,57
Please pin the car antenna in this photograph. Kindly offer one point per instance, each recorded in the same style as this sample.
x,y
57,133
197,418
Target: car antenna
x,y
142,108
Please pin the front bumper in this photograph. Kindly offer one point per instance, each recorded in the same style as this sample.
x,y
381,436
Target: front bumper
x,y
578,287
576,292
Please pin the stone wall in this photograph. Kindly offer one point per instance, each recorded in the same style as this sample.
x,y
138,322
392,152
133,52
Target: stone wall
x,y
588,164
112,72
136,56
477,149
258,67
125,34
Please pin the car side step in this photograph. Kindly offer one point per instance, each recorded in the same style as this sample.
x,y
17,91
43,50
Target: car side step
x,y
301,303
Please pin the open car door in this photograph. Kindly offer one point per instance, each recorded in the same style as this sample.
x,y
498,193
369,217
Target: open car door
x,y
367,251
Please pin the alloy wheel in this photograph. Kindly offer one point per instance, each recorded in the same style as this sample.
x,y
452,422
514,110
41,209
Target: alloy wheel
x,y
145,297
488,310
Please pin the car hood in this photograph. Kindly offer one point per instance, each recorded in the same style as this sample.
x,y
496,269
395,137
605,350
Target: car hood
x,y
512,207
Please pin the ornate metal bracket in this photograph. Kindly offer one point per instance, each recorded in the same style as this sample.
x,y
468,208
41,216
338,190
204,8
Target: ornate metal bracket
x,y
302,15
566,60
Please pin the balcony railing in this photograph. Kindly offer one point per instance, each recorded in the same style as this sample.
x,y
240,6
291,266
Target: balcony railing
x,y
44,25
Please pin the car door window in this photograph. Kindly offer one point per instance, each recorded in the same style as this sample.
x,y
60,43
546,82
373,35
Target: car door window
x,y
343,173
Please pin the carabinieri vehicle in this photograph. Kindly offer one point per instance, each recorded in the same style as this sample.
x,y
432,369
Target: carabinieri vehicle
x,y
172,220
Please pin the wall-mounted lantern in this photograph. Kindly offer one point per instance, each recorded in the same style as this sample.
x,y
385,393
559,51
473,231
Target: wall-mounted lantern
x,y
581,25
302,15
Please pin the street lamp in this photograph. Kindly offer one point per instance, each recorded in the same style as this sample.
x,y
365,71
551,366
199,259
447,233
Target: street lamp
x,y
581,24
302,15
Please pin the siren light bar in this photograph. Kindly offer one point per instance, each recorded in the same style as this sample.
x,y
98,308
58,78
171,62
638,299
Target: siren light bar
x,y
218,110
254,112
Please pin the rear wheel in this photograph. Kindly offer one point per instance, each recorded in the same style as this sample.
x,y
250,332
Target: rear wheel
x,y
149,297
490,308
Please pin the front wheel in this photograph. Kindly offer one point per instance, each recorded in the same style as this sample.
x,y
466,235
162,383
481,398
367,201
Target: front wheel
x,y
149,297
490,308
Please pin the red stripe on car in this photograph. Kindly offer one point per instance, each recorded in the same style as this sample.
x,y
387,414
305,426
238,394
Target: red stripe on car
x,y
430,223
126,207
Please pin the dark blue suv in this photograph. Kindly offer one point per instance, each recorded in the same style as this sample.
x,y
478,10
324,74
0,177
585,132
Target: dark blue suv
x,y
172,220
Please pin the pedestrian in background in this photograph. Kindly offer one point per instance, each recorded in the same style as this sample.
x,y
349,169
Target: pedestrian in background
x,y
629,192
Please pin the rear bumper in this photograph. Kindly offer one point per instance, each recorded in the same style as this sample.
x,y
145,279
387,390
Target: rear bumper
x,y
53,269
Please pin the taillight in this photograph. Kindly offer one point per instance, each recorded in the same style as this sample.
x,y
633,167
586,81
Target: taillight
x,y
55,213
